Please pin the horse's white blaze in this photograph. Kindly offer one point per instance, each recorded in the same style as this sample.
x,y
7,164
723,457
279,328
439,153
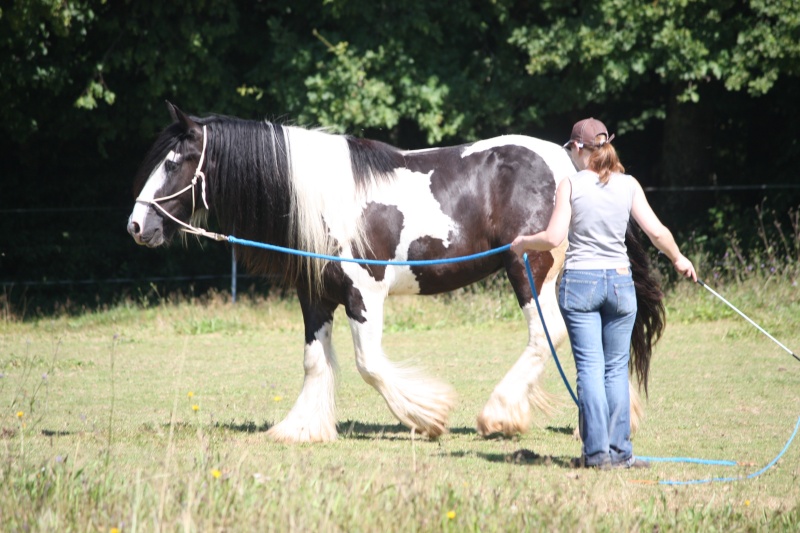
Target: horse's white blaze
x,y
313,416
155,182
416,400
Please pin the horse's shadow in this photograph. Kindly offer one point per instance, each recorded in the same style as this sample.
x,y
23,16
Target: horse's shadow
x,y
525,457
348,429
354,429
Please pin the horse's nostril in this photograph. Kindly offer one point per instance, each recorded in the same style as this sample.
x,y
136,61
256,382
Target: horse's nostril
x,y
134,228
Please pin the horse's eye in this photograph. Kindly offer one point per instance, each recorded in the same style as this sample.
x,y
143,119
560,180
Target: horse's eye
x,y
170,166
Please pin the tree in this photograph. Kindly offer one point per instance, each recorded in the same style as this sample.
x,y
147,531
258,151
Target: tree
x,y
659,58
697,91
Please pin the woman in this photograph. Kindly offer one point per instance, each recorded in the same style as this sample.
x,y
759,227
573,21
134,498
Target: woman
x,y
597,297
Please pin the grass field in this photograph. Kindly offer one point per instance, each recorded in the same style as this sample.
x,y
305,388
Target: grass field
x,y
145,419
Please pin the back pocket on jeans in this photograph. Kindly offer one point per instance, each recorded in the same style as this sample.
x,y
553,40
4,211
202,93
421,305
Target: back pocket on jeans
x,y
626,297
577,294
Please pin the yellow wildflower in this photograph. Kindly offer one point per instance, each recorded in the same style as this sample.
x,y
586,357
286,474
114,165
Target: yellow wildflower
x,y
20,414
216,474
451,515
195,407
191,394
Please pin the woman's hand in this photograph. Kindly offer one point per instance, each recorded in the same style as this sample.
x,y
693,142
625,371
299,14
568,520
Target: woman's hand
x,y
685,267
518,245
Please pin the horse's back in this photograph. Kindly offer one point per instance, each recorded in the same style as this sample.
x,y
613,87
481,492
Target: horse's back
x,y
462,200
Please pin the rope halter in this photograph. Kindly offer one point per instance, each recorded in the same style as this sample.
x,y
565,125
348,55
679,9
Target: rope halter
x,y
200,176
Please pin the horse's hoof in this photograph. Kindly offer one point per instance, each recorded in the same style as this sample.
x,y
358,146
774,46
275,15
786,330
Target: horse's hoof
x,y
282,434
488,427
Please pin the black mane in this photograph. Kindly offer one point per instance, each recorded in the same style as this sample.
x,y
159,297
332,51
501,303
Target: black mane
x,y
373,160
249,187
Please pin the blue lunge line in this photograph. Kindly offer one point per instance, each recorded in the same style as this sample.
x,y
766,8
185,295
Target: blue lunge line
x,y
427,262
729,479
720,462
244,242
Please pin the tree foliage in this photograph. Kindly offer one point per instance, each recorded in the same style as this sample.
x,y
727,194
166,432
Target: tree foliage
x,y
450,69
701,87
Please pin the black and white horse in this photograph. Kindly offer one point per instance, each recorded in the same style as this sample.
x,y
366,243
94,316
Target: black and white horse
x,y
348,197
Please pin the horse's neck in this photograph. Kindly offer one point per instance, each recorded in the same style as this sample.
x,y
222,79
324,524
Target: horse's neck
x,y
326,199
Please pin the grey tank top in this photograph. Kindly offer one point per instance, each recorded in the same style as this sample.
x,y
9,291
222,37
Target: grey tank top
x,y
599,220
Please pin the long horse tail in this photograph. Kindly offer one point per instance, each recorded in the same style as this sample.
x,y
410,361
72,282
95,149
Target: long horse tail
x,y
651,315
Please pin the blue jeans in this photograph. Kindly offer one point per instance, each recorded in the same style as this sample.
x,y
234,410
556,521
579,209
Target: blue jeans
x,y
599,309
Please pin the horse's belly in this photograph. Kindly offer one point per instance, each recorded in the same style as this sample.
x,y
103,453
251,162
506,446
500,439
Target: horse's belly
x,y
437,279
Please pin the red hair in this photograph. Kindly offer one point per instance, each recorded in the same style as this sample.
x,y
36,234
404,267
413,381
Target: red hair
x,y
604,159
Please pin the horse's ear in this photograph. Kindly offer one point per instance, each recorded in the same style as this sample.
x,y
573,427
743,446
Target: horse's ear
x,y
173,111
189,125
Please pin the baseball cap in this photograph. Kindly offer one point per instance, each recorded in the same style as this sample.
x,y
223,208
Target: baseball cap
x,y
585,131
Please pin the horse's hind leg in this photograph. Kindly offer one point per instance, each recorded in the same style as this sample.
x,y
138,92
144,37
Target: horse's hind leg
x,y
313,416
419,402
637,409
508,409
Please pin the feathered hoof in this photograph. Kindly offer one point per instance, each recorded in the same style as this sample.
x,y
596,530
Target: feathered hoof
x,y
288,433
433,432
431,418
498,419
420,403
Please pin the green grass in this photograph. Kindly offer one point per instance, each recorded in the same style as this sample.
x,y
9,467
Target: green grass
x,y
95,449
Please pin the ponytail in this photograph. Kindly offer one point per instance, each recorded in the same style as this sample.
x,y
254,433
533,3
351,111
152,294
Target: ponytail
x,y
604,159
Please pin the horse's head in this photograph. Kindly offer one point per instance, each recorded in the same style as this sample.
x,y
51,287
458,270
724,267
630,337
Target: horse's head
x,y
170,184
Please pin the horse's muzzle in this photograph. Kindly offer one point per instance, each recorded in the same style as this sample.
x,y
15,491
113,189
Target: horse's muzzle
x,y
151,238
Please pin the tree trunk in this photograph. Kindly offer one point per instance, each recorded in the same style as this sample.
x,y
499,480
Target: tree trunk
x,y
686,156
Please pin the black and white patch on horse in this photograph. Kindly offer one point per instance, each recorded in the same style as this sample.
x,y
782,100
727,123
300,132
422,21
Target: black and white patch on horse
x,y
357,198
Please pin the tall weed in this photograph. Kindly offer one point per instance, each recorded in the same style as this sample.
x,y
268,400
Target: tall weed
x,y
763,246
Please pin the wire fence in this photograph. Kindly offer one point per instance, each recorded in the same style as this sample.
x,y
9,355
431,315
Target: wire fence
x,y
219,272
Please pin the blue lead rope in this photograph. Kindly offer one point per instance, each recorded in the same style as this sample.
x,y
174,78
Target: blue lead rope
x,y
254,244
730,479
427,262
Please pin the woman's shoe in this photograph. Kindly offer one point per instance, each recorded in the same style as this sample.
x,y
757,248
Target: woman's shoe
x,y
633,462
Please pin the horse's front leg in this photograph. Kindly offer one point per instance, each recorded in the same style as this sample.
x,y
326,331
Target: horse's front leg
x,y
419,402
313,416
508,409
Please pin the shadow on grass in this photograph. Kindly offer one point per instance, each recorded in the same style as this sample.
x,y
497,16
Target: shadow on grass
x,y
353,429
248,426
349,429
59,433
527,457
565,430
